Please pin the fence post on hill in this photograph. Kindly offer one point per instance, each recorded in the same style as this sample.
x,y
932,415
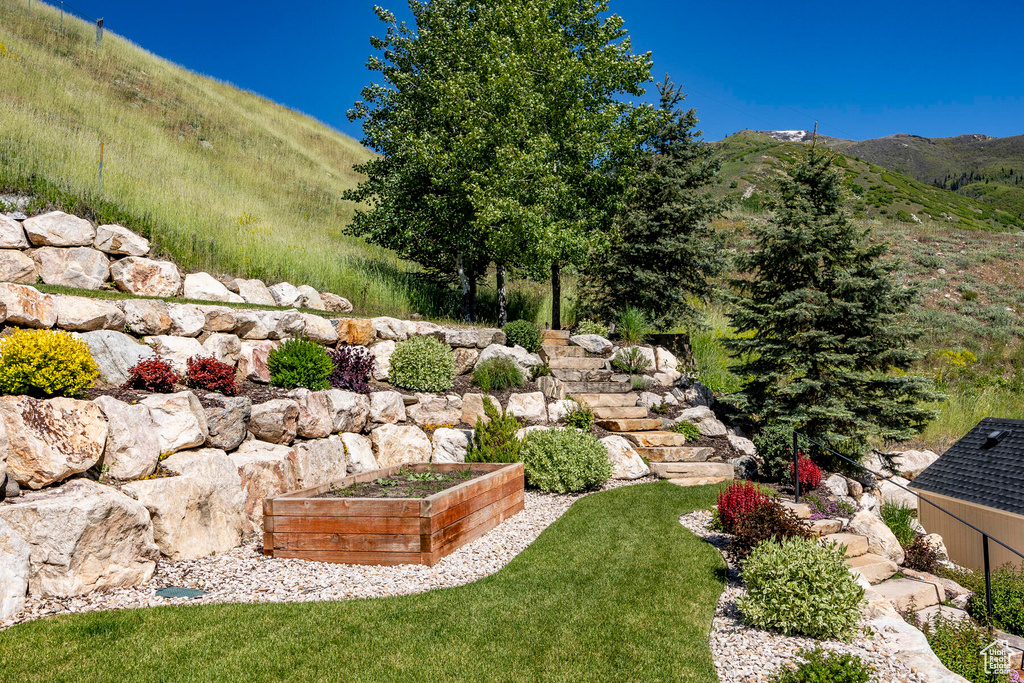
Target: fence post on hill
x,y
99,31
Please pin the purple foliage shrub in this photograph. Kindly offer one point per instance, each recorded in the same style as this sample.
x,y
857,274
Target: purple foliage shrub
x,y
353,366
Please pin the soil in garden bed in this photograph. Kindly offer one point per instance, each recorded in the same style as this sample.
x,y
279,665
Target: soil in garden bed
x,y
258,393
406,484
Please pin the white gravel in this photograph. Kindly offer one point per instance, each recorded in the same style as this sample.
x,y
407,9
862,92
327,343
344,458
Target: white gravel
x,y
744,654
246,575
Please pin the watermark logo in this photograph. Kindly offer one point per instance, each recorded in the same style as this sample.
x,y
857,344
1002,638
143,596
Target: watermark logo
x,y
997,658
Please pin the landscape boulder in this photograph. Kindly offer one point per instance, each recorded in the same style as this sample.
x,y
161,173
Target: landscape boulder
x,y
58,229
390,329
115,239
320,461
252,360
355,331
277,325
912,463
387,407
79,267
626,462
12,235
319,329
115,353
742,444
665,360
645,351
266,470
146,277
450,445
49,440
83,536
349,410
223,347
285,294
445,411
381,352
14,571
881,541
335,303
593,343
315,418
82,314
473,408
697,395
400,445
520,356
358,453
176,350
180,420
187,320
704,419
17,266
227,420
889,492
558,410
205,287
836,485
132,449
465,360
27,306
255,292
147,317
275,421
529,407
225,319
310,298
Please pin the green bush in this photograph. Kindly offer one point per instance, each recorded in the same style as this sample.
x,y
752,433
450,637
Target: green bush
x,y
498,374
542,370
958,643
580,417
774,444
631,361
591,327
632,326
494,439
44,363
523,333
800,587
565,460
423,364
687,429
1007,596
300,363
900,520
821,666
904,216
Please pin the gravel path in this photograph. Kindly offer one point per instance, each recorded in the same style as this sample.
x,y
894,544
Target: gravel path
x,y
244,574
744,654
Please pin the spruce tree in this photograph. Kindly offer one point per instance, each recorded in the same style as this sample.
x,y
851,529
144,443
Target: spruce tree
x,y
663,252
825,337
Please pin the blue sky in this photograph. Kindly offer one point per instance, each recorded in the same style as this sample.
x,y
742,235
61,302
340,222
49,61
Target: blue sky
x,y
862,70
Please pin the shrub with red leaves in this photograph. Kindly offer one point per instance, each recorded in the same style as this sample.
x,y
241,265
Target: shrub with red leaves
x,y
810,474
738,500
353,366
210,374
152,374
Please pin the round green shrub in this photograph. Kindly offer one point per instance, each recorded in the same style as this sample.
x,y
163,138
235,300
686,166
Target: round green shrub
x,y
523,333
423,364
300,363
565,460
45,363
800,587
497,374
591,327
688,429
820,666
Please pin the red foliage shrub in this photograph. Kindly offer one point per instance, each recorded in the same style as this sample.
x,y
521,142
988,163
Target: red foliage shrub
x,y
210,374
152,374
810,474
736,501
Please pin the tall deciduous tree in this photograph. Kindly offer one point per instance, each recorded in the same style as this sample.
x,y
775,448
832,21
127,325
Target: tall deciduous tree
x,y
830,341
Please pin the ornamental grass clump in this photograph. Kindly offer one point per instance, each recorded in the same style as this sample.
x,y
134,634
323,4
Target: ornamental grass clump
x,y
300,363
565,460
45,363
353,366
496,374
523,333
423,364
798,586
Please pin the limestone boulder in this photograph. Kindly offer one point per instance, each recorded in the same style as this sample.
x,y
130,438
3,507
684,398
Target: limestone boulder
x,y
147,317
83,536
285,294
115,353
529,407
913,463
276,325
132,448
473,408
359,453
187,320
266,470
12,235
626,462
490,336
335,303
226,320
315,418
310,298
14,571
697,395
881,540
349,410
593,343
255,292
667,378
275,421
400,445
935,542
17,266
436,410
199,512
450,445
648,399
226,348
79,267
146,277
48,441
558,410
115,239
320,461
176,350
704,419
82,314
205,287
319,329
890,492
465,360
552,387
459,337
355,331
390,329
180,420
387,407
58,229
227,420
520,356
252,360
27,306
836,485
665,360
742,444
382,352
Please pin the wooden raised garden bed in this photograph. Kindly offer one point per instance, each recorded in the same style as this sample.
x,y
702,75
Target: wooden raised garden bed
x,y
391,530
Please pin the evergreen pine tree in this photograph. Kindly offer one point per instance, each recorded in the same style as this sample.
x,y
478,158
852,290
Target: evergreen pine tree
x,y
663,251
825,338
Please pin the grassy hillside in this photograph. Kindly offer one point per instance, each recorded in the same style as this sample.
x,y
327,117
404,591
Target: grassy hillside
x,y
751,159
220,179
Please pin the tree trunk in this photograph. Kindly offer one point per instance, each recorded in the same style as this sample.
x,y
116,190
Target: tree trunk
x,y
464,282
500,282
472,296
556,296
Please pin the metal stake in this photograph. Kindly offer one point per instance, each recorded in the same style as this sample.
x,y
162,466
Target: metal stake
x,y
99,30
988,579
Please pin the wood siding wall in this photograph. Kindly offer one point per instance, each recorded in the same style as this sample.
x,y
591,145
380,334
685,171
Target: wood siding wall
x,y
963,543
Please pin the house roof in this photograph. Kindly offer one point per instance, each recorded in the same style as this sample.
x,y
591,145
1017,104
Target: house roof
x,y
981,470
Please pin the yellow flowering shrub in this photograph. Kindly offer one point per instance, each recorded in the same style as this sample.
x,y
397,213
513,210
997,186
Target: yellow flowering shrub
x,y
45,363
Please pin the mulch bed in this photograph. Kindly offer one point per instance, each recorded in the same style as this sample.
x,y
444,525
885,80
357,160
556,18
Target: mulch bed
x,y
257,393
405,485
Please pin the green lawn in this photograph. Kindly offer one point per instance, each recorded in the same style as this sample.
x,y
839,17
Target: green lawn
x,y
616,590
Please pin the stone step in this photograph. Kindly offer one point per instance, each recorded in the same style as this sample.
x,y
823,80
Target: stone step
x,y
874,568
928,614
676,453
697,481
549,353
574,388
856,545
801,510
1016,647
635,425
904,593
555,334
569,363
619,412
823,527
607,400
569,375
555,342
684,470
654,439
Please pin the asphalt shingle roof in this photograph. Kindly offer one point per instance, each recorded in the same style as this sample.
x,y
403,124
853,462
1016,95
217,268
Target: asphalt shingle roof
x,y
993,477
